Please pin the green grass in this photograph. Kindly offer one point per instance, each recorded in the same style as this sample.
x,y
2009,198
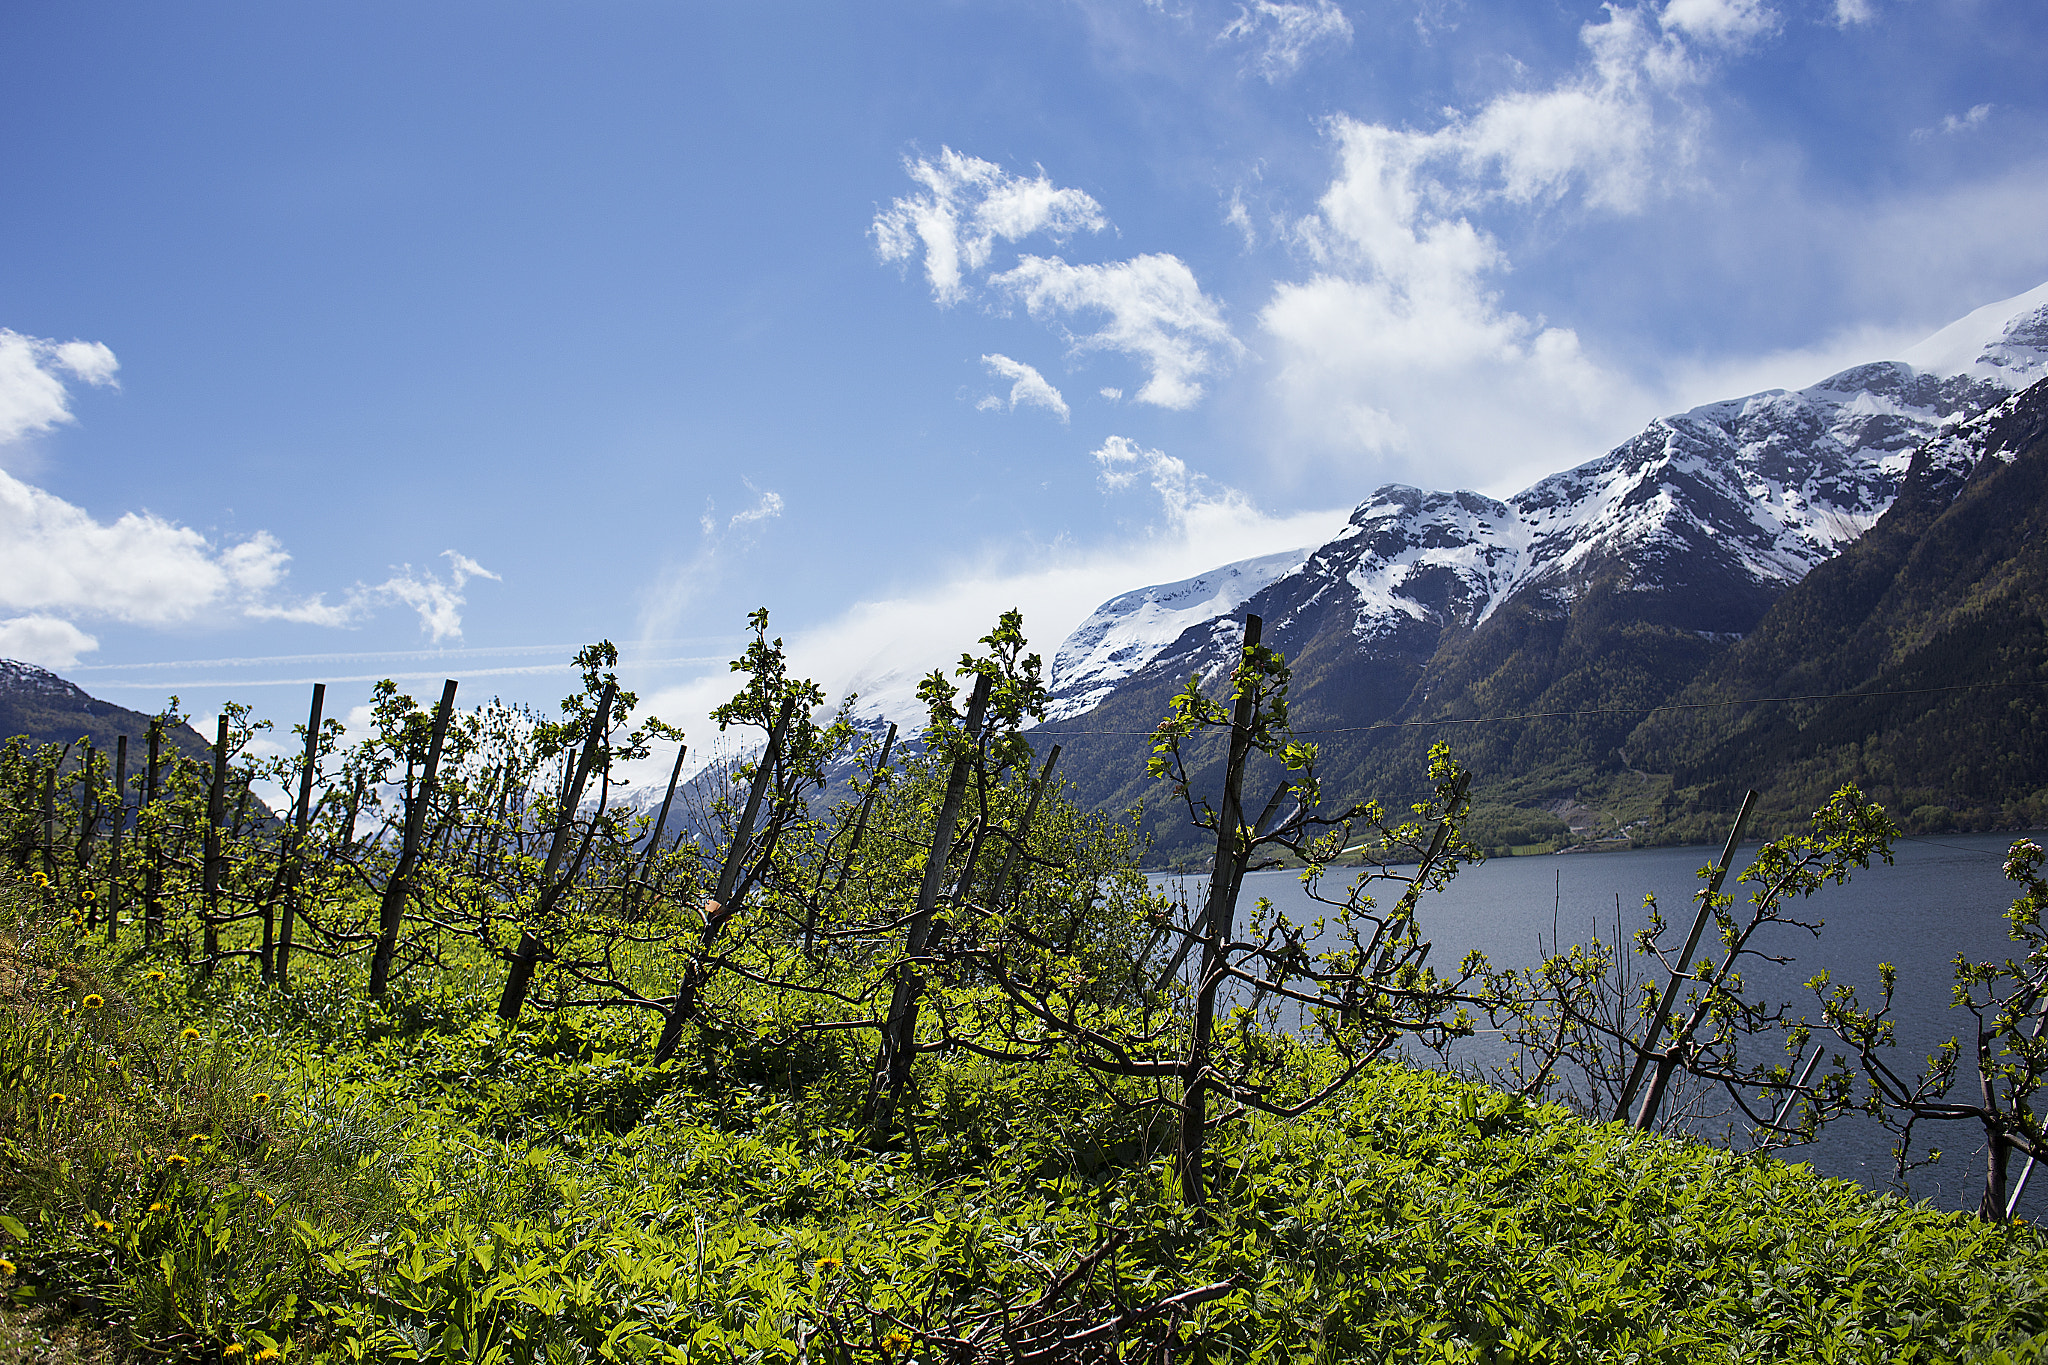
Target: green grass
x,y
231,1166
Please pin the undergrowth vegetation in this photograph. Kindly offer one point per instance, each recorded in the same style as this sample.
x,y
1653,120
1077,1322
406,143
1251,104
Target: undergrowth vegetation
x,y
467,1061
218,1170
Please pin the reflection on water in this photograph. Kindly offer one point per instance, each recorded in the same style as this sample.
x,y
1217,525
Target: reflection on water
x,y
1942,897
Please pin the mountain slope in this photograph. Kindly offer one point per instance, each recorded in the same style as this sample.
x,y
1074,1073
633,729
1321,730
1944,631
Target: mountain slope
x,y
1603,589
37,703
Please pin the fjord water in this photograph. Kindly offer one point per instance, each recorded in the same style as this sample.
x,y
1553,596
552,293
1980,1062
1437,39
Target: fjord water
x,y
1942,896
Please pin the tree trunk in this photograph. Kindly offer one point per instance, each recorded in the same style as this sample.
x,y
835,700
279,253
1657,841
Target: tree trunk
x,y
1225,875
392,912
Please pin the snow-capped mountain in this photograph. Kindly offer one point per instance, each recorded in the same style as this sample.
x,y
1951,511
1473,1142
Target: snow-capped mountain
x,y
1702,519
1128,632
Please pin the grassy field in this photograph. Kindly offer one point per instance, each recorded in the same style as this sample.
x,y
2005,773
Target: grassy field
x,y
220,1171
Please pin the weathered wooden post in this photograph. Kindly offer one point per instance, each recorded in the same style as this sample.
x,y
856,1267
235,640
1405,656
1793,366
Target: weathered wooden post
x,y
216,813
720,908
528,955
153,852
302,817
114,838
88,824
1667,1058
1224,877
50,822
392,912
899,1032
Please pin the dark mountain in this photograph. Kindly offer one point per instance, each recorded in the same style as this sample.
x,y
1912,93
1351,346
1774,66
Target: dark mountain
x,y
1925,636
1570,609
37,703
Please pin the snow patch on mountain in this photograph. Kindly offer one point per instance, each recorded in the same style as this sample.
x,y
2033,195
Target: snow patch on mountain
x,y
1757,489
1125,633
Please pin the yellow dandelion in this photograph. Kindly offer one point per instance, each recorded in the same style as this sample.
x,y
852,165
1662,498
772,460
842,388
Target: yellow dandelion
x,y
156,1208
59,1097
176,1160
267,1353
43,880
93,1002
88,894
202,1138
189,1034
152,976
894,1342
261,1097
232,1350
268,1202
825,1265
102,1225
7,1267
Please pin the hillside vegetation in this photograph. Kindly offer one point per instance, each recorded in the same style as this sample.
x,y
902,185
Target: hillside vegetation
x,y
456,1060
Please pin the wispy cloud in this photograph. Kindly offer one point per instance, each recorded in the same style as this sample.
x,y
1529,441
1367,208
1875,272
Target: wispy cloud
x,y
33,396
1029,388
1951,124
1154,310
1286,33
967,205
1156,313
1398,348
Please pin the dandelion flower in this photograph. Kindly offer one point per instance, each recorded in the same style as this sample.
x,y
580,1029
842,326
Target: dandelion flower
x,y
43,880
232,1350
152,976
59,1097
894,1342
267,1353
156,1208
102,1225
7,1267
827,1264
268,1202
189,1034
202,1138
261,1097
176,1160
88,895
93,1002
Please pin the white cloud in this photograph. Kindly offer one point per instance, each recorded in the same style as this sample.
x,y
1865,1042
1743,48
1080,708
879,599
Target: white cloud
x,y
880,647
1030,388
1721,21
767,506
33,397
1951,124
1287,32
1111,393
1849,12
1156,313
1398,348
438,602
44,640
967,204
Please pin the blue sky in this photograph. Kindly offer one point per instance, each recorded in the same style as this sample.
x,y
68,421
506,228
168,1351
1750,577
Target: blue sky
x,y
350,341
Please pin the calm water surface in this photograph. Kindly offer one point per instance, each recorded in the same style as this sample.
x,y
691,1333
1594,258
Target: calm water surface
x,y
1941,897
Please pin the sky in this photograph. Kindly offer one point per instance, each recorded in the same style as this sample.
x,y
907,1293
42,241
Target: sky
x,y
412,341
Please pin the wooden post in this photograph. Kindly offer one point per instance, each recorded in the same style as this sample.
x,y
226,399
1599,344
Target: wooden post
x,y
114,840
216,814
302,818
392,913
523,961
899,1033
153,854
50,822
1667,1058
88,820
654,835
1224,877
719,908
